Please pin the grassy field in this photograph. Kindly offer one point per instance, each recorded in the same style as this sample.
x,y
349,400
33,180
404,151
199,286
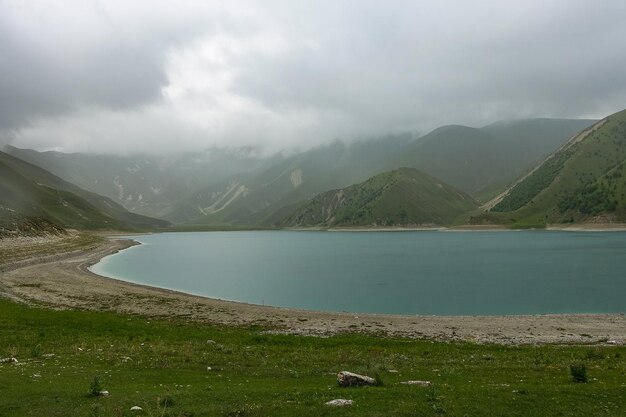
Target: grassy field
x,y
172,368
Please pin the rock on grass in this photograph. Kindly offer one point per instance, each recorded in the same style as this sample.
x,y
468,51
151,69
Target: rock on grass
x,y
350,379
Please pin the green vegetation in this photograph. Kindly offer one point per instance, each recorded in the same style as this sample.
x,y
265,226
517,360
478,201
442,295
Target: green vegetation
x,y
579,372
480,160
401,197
32,199
585,180
229,189
172,368
535,183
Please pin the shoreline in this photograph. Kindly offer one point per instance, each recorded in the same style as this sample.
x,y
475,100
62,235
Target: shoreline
x,y
584,227
64,281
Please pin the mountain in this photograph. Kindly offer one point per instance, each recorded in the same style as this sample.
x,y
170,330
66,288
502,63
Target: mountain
x,y
144,184
265,197
31,194
583,181
401,197
220,188
480,160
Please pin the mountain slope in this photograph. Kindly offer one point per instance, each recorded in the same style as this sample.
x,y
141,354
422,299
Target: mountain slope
x,y
144,184
265,197
220,188
583,181
404,196
476,160
31,192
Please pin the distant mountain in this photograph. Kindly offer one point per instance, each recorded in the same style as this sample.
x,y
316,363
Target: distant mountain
x,y
265,197
218,188
401,197
32,195
144,184
479,160
585,180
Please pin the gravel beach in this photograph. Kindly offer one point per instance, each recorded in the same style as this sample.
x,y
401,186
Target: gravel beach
x,y
63,280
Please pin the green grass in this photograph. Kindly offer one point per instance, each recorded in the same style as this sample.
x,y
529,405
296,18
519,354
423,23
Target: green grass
x,y
576,184
404,196
161,366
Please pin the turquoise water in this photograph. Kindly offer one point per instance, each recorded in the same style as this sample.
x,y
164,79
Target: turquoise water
x,y
442,273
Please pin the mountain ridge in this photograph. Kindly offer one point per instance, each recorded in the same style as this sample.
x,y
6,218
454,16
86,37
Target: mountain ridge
x,y
583,181
402,197
31,194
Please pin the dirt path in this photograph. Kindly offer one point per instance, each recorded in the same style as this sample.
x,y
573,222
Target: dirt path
x,y
63,281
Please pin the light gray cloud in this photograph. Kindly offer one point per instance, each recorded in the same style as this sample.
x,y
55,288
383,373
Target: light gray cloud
x,y
132,76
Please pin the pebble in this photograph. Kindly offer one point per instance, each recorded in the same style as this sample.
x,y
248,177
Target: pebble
x,y
420,383
136,408
339,402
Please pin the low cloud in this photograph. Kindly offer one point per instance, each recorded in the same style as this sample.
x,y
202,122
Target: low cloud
x,y
130,77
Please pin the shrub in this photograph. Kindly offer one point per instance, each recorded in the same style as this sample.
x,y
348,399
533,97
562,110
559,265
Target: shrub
x,y
167,401
95,388
578,372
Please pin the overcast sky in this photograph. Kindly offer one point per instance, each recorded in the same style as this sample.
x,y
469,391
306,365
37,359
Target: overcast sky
x,y
145,75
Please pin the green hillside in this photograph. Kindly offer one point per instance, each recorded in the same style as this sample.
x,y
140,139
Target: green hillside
x,y
30,195
265,197
144,184
401,197
583,181
235,189
480,161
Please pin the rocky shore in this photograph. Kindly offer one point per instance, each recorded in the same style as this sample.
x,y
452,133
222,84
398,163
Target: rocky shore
x,y
64,281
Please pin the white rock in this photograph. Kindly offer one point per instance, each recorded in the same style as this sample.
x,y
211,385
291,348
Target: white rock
x,y
350,379
208,368
104,393
420,383
136,408
339,402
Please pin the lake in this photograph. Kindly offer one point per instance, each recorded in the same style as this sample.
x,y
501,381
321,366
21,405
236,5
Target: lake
x,y
425,272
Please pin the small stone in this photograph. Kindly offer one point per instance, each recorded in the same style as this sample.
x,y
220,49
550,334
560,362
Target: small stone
x,y
208,368
103,393
136,408
210,342
350,379
339,402
420,383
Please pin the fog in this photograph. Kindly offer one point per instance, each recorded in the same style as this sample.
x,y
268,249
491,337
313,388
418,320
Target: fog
x,y
158,76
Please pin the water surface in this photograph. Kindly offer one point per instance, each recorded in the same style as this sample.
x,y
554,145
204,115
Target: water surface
x,y
442,273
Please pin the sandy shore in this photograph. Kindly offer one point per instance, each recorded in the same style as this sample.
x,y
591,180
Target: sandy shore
x,y
64,281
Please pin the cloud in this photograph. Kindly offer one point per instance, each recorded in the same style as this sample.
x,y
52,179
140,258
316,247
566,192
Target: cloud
x,y
163,76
